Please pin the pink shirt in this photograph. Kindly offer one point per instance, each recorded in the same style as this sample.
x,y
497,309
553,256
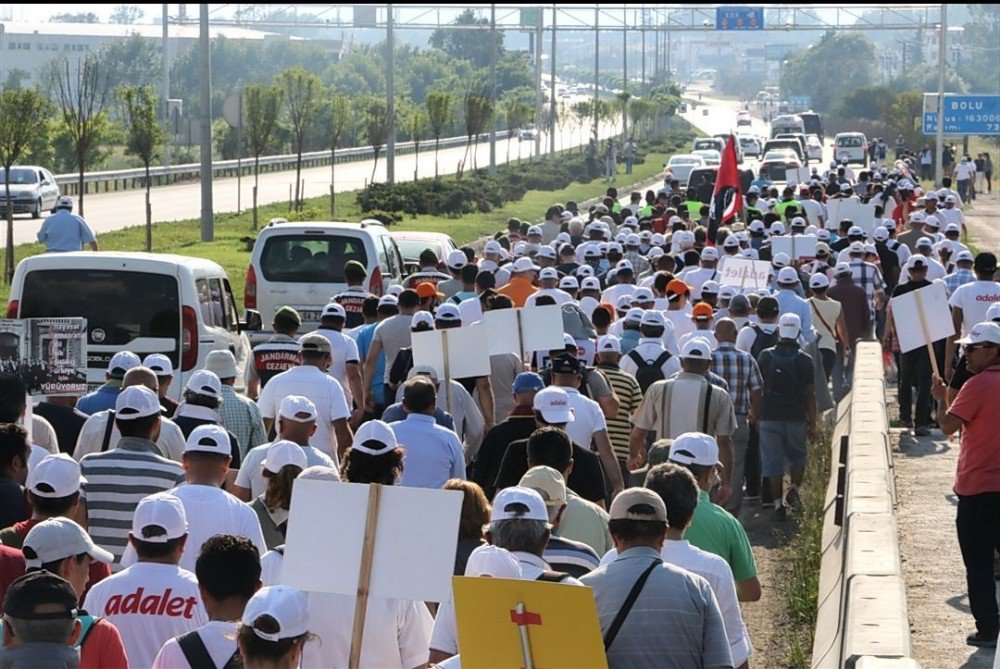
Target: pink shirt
x,y
979,458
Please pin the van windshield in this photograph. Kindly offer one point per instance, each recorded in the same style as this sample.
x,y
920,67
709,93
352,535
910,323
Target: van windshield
x,y
118,306
849,141
703,144
310,258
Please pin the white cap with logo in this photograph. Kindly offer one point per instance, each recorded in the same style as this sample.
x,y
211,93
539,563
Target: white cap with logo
x,y
284,452
375,438
789,326
136,402
298,408
553,404
208,439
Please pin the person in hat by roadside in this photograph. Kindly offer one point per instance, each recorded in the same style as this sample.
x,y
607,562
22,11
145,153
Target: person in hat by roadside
x,y
61,547
969,302
310,379
240,415
831,330
104,397
40,623
202,401
977,480
65,231
690,630
130,599
278,354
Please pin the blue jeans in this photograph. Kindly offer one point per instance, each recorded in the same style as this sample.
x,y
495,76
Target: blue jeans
x,y
843,372
781,441
963,189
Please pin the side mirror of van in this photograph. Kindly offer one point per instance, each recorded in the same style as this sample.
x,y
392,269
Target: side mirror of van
x,y
251,321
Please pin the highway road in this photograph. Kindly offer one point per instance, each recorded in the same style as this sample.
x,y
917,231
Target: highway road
x,y
112,211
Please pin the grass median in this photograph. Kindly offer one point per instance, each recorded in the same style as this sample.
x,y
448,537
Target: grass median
x,y
230,249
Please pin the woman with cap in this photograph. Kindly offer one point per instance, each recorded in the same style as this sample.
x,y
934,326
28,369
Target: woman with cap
x,y
284,462
275,628
375,456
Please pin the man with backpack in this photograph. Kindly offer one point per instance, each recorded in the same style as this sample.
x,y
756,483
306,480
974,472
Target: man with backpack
x,y
788,413
649,361
756,337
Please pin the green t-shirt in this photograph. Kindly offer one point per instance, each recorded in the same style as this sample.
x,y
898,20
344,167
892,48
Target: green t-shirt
x,y
780,208
715,530
694,208
646,211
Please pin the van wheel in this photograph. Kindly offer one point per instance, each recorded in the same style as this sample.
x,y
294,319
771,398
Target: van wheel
x,y
37,211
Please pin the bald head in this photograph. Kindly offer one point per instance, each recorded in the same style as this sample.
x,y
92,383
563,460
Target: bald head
x,y
141,376
725,330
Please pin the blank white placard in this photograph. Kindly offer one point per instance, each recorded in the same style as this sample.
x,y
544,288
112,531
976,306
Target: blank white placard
x,y
468,351
937,315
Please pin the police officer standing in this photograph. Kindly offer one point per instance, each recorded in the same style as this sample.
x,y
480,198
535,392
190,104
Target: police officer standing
x,y
65,231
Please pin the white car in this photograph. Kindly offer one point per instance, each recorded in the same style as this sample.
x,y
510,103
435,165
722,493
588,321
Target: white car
x,y
33,190
750,145
526,133
679,167
851,145
814,148
710,156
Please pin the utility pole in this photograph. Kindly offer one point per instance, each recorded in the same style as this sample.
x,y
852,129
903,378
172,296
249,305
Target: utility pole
x,y
493,88
552,85
624,74
390,105
205,122
643,49
656,46
539,98
597,68
166,88
939,138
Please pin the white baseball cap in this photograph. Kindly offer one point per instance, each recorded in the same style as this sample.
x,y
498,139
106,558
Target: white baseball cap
x,y
789,326
457,259
653,318
222,363
159,363
298,408
333,310
159,518
548,273
881,234
728,292
395,289
587,270
842,269
993,313
695,448
709,253
658,239
208,439
696,348
654,253
546,252
931,195
518,503
643,294
986,332
524,265
932,222
924,242
780,260
623,303
122,361
534,231
710,287
375,438
57,539
788,276
136,402
204,382
421,318
284,452
553,404
731,242
590,283
388,301
487,560
285,605
569,282
777,228
56,475
855,231
632,240
448,312
819,280
609,344
964,256
492,247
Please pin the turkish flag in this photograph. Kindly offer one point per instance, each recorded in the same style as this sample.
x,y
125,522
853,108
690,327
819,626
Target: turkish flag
x,y
727,199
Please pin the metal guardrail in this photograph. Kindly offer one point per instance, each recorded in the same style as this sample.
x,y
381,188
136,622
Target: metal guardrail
x,y
116,180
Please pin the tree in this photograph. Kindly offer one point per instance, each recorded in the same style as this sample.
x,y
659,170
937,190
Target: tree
x,y
582,111
804,73
302,90
417,125
82,98
478,114
262,104
622,102
516,115
145,137
127,14
439,115
639,110
980,56
341,112
77,17
134,61
471,45
376,127
22,119
15,79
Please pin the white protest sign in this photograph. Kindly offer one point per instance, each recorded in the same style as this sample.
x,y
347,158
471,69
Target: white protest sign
x,y
833,216
455,353
922,316
794,246
413,557
744,272
861,215
524,330
797,175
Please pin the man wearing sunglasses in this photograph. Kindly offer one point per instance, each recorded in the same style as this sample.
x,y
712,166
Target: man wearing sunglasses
x,y
977,481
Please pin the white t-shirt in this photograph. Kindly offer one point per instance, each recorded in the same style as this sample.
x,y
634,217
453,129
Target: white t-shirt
x,y
974,299
150,603
965,170
210,511
612,294
747,335
170,441
681,320
707,335
250,474
650,349
587,418
219,637
43,434
397,631
560,296
324,391
345,350
696,277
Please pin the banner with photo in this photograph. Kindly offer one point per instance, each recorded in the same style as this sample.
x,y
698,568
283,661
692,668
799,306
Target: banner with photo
x,y
49,354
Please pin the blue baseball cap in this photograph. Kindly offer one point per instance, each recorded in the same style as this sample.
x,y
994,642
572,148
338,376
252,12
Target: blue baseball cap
x,y
526,381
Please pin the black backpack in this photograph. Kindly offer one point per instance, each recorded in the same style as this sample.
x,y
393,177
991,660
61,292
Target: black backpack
x,y
764,340
782,387
649,371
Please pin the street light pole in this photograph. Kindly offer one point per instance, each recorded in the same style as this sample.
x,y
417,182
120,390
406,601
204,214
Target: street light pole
x,y
390,105
552,86
166,87
597,67
205,48
939,136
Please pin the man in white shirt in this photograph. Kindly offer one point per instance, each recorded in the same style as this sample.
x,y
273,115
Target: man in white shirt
x,y
694,277
154,600
650,348
228,571
100,434
344,365
296,423
548,282
952,214
333,435
702,316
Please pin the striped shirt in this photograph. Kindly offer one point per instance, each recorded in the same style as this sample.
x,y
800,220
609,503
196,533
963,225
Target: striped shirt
x,y
740,371
573,557
116,481
868,276
629,395
959,277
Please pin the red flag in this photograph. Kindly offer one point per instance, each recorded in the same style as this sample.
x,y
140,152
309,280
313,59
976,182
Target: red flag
x,y
727,198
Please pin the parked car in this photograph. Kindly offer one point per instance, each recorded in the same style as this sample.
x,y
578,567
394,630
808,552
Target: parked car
x,y
180,306
814,147
679,167
33,190
776,163
526,133
710,156
412,244
301,265
851,145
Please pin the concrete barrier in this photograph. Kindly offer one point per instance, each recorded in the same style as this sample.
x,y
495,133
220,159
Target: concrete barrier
x,y
862,621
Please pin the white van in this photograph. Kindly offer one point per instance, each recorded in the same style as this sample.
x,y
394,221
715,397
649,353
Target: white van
x,y
301,265
180,306
851,145
787,124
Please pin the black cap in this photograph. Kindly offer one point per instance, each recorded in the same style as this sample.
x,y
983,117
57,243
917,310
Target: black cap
x,y
986,263
566,364
40,595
